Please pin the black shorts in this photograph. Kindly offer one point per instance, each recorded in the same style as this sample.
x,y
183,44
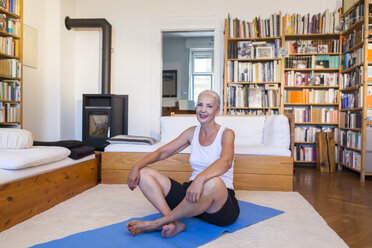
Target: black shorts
x,y
224,217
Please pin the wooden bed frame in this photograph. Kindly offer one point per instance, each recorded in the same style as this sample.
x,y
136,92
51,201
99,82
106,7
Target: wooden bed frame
x,y
22,199
272,173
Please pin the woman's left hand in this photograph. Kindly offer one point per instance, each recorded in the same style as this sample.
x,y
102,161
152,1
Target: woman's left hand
x,y
194,191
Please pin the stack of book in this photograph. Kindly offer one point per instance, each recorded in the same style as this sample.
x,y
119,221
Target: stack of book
x,y
315,24
240,96
10,91
313,46
352,59
353,78
351,139
253,49
350,158
295,78
253,72
269,27
352,100
312,62
351,120
304,153
9,112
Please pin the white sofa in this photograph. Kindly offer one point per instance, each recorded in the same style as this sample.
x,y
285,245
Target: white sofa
x,y
262,151
254,135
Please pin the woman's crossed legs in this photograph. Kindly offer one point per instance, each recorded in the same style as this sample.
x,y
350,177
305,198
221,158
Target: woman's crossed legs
x,y
156,187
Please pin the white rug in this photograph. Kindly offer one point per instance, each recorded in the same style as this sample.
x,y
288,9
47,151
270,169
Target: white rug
x,y
299,226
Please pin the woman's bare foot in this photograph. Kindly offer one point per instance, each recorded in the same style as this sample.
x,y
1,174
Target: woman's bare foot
x,y
136,227
172,229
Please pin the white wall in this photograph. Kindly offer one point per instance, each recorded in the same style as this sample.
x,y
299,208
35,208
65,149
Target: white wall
x,y
136,60
41,86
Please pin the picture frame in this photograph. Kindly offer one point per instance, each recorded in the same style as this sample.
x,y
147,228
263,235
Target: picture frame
x,y
322,48
264,52
244,49
169,83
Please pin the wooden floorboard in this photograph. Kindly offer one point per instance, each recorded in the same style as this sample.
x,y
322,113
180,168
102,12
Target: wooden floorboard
x,y
342,200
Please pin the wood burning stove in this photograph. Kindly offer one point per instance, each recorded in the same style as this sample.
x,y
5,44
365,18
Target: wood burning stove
x,y
104,116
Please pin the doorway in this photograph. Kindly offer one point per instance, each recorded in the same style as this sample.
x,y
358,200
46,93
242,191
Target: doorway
x,y
188,69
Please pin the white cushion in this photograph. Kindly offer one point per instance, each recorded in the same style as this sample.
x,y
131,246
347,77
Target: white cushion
x,y
276,131
13,138
172,126
248,129
22,158
262,150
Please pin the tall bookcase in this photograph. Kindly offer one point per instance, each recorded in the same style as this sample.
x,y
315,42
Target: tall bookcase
x,y
311,86
253,68
353,88
315,104
11,39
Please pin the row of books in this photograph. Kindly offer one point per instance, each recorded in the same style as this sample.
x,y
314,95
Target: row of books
x,y
10,90
9,112
313,46
9,46
354,58
352,100
269,27
352,78
351,40
10,68
252,112
350,158
315,115
295,78
311,96
325,22
308,134
253,72
351,119
351,139
355,15
253,97
13,6
304,153
312,62
253,49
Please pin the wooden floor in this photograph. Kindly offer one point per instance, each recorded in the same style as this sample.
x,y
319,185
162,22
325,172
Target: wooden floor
x,y
342,200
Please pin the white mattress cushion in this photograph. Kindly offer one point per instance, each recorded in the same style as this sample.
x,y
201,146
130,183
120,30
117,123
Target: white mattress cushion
x,y
172,126
276,131
22,158
248,129
262,150
13,138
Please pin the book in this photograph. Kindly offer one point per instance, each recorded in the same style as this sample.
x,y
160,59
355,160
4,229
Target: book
x,y
244,49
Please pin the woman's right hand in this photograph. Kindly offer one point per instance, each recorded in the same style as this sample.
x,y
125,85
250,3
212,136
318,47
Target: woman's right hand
x,y
133,177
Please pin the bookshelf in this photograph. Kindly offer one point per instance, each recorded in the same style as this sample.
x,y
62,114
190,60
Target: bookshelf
x,y
253,67
354,108
308,72
11,24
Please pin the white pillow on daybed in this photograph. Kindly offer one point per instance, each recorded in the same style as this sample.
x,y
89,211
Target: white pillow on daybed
x,y
12,138
14,159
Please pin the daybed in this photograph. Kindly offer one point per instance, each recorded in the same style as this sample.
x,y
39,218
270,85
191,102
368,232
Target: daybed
x,y
25,192
263,158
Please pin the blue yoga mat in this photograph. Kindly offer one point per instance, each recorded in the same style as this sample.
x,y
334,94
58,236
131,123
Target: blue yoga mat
x,y
196,234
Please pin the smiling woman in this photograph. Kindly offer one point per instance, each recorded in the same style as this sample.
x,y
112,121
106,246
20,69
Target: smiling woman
x,y
189,56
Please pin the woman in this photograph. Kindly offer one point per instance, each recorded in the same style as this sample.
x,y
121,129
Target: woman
x,y
209,194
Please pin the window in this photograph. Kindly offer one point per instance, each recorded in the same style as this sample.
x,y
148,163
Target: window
x,y
201,72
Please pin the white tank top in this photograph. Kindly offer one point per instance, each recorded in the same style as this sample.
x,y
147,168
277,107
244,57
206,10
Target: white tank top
x,y
203,156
